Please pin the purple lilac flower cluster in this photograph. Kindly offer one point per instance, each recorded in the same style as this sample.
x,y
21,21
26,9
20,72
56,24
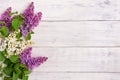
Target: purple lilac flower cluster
x,y
5,18
31,62
32,20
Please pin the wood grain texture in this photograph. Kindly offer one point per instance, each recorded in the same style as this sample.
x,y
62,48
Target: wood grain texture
x,y
84,33
80,37
71,9
79,59
75,76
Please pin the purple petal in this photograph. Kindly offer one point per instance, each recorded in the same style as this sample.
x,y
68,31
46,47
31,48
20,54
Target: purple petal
x,y
31,62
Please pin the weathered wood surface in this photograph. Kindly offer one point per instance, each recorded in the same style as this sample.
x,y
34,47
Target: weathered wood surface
x,y
75,76
71,9
79,59
83,33
80,37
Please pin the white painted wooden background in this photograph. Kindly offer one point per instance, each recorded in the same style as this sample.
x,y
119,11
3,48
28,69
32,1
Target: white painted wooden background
x,y
80,37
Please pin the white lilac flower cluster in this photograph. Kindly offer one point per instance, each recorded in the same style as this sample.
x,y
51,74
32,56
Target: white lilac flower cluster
x,y
14,45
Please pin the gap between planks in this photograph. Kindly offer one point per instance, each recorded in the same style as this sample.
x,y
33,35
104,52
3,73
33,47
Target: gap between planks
x,y
107,72
77,20
76,46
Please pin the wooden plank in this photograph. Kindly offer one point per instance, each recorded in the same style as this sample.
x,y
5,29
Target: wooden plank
x,y
70,9
74,76
79,59
95,33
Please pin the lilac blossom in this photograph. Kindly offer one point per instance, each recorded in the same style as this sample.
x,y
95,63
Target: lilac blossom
x,y
31,62
35,62
26,55
24,30
36,19
31,19
5,17
29,12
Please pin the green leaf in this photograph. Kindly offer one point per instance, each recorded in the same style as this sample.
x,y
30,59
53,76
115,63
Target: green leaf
x,y
32,32
14,58
7,62
1,74
20,76
16,23
5,52
7,78
13,13
0,66
21,16
18,71
8,71
2,56
4,31
28,37
27,72
16,68
18,35
15,76
25,77
23,66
